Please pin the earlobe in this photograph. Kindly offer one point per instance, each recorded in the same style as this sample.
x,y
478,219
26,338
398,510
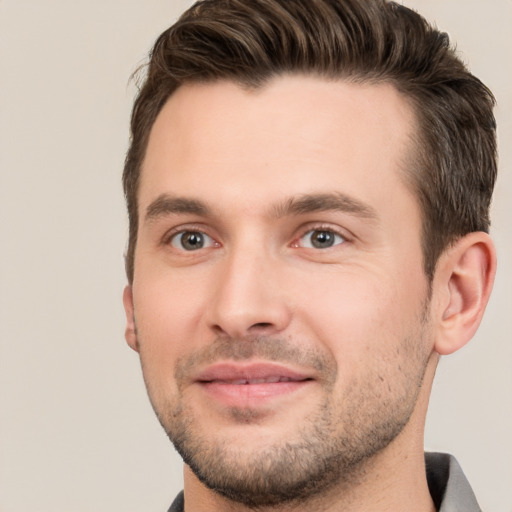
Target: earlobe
x,y
130,333
463,284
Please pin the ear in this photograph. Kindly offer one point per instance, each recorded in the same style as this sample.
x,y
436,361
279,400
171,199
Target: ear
x,y
130,332
462,285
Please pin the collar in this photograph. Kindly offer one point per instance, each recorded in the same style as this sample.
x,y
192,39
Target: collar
x,y
448,485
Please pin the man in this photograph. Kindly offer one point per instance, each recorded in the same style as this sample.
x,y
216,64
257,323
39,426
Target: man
x,y
308,187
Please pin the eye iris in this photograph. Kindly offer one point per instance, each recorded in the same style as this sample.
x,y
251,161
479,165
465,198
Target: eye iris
x,y
192,241
322,239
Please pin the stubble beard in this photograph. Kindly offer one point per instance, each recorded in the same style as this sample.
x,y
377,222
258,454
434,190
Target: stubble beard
x,y
331,450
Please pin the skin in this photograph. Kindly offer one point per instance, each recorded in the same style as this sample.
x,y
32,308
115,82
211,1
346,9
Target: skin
x,y
352,323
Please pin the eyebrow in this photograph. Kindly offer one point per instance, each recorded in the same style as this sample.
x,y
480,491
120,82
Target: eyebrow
x,y
165,205
337,201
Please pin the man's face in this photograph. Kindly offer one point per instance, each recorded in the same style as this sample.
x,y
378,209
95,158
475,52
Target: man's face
x,y
279,294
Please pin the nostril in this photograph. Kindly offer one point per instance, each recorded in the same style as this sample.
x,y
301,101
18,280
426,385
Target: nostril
x,y
261,325
259,328
218,330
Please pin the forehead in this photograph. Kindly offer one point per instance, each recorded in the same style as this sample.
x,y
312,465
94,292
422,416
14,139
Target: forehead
x,y
295,135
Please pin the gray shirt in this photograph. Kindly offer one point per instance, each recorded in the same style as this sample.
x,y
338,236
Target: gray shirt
x,y
447,484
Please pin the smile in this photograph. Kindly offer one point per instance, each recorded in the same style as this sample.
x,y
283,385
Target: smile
x,y
267,380
250,385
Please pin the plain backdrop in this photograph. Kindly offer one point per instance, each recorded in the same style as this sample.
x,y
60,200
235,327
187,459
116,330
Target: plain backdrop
x,y
76,430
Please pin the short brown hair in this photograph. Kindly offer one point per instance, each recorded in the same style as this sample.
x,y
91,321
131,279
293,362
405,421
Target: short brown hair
x,y
251,41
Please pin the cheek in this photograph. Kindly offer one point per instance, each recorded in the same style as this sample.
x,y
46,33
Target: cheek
x,y
361,312
167,312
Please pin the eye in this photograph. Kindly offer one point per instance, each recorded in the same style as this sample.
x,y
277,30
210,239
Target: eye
x,y
320,239
191,240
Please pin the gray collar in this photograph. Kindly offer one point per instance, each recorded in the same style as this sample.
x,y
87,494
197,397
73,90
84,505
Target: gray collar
x,y
448,485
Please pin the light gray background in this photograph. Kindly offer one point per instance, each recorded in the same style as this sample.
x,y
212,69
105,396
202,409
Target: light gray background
x,y
76,430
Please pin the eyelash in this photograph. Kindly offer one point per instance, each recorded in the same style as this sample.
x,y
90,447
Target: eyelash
x,y
175,233
322,228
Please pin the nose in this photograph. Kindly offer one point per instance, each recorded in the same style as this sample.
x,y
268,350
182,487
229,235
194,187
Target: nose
x,y
250,297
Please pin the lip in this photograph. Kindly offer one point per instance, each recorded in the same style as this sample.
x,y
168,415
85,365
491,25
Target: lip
x,y
246,385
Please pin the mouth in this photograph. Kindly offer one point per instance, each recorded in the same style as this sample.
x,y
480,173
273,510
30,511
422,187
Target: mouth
x,y
248,385
266,380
